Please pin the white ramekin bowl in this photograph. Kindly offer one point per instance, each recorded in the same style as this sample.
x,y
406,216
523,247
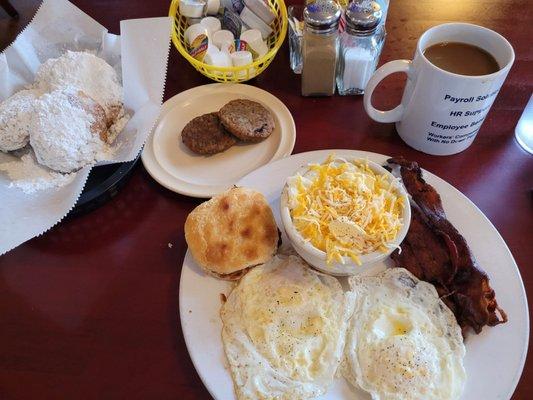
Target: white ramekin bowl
x,y
317,258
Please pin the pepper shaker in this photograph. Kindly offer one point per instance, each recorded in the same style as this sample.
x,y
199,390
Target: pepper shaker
x,y
320,48
360,46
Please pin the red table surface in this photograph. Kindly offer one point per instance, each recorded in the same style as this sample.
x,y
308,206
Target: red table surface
x,y
89,310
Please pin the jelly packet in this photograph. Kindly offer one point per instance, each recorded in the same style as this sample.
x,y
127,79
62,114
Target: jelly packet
x,y
242,45
239,45
198,47
232,22
234,6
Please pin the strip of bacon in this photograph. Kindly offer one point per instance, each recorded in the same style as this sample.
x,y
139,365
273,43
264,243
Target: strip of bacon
x,y
434,251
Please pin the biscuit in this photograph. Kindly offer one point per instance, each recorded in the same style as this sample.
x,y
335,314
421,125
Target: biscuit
x,y
247,120
232,232
205,135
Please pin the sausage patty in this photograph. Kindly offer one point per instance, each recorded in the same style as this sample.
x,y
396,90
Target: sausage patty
x,y
206,135
246,119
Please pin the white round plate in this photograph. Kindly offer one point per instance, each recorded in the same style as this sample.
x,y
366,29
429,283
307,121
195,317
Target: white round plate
x,y
494,359
174,166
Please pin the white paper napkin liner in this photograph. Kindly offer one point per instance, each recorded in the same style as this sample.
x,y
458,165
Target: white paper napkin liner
x,y
144,87
30,215
59,26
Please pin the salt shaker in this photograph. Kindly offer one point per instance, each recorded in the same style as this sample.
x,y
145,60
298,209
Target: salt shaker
x,y
360,46
320,48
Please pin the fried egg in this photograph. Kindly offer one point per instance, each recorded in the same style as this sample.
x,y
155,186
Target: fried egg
x,y
284,329
403,342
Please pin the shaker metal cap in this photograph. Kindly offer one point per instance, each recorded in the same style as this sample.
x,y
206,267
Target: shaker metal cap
x,y
322,14
363,16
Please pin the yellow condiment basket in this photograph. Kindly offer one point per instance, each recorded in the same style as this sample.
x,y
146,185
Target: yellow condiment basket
x,y
232,74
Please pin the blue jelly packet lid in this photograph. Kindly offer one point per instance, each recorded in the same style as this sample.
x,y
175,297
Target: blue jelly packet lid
x,y
232,22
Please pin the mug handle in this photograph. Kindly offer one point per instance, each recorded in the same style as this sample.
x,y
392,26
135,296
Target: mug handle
x,y
385,70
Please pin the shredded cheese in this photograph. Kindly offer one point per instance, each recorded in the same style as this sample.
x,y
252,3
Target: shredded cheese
x,y
345,209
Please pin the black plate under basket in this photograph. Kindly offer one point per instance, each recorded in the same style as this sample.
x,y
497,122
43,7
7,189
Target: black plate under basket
x,y
103,184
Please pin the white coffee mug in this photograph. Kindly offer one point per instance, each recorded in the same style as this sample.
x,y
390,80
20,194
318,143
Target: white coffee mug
x,y
441,112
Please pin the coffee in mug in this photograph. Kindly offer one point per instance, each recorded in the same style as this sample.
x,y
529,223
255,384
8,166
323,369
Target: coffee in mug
x,y
461,58
446,97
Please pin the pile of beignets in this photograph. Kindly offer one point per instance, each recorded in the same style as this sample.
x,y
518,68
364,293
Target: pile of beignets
x,y
70,114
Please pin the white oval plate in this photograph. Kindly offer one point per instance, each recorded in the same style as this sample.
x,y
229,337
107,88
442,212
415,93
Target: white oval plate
x,y
174,166
494,359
